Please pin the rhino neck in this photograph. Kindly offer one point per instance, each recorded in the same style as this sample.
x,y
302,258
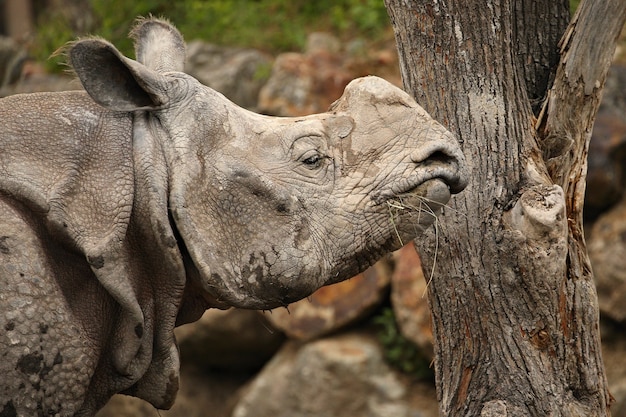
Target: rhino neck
x,y
151,204
154,171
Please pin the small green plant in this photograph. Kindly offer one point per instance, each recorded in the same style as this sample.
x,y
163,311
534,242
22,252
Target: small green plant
x,y
52,35
400,352
263,72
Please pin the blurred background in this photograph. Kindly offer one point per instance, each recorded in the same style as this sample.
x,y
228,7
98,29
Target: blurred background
x,y
359,348
269,25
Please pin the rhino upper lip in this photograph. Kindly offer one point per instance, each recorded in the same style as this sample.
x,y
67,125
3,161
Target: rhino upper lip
x,y
435,160
434,171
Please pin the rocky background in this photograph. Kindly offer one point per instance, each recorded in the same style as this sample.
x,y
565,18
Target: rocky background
x,y
361,347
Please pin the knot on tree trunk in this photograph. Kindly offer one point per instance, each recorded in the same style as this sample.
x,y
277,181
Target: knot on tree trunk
x,y
494,408
540,214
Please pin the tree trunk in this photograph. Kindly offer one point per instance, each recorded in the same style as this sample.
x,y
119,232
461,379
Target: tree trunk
x,y
18,18
514,309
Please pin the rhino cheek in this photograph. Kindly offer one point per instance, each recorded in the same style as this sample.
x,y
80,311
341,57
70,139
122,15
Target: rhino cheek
x,y
250,251
282,265
293,277
302,238
263,281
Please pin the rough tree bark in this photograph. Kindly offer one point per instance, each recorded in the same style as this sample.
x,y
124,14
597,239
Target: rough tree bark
x,y
515,315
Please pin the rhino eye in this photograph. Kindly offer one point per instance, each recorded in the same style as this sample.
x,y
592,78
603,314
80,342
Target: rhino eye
x,y
312,161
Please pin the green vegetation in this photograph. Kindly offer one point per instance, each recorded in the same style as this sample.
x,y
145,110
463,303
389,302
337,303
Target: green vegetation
x,y
400,352
271,25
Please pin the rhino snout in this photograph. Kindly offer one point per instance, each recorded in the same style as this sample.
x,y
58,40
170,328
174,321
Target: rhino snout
x,y
443,160
438,162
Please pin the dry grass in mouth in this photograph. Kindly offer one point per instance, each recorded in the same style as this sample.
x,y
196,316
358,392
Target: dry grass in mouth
x,y
397,206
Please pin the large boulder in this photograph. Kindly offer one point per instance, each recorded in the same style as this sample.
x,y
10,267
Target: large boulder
x,y
606,161
606,244
12,59
605,203
339,376
302,84
606,177
308,82
233,340
237,73
614,94
613,348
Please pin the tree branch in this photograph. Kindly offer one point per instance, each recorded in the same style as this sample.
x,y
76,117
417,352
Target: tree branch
x,y
566,120
564,127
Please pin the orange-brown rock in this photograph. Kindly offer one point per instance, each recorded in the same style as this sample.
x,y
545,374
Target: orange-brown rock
x,y
409,300
342,375
607,252
308,82
334,306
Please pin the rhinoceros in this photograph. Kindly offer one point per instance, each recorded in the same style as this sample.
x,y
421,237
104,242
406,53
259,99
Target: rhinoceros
x,y
131,208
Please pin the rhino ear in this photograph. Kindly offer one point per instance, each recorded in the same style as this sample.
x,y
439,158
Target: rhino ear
x,y
158,45
114,81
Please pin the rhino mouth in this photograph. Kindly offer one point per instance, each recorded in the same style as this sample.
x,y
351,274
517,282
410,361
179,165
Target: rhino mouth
x,y
431,186
437,175
428,198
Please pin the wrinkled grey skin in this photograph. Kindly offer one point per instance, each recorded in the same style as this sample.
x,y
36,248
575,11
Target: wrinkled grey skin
x,y
133,208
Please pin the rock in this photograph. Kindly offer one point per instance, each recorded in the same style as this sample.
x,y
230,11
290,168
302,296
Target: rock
x,y
306,83
39,83
614,94
335,306
201,394
606,160
12,59
339,376
34,78
235,340
237,73
613,349
322,42
607,150
383,61
607,252
301,85
409,300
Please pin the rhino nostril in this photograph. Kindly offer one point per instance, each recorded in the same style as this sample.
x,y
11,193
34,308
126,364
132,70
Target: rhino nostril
x,y
435,151
439,157
443,162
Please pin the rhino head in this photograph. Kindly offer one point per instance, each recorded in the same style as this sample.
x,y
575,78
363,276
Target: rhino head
x,y
269,209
